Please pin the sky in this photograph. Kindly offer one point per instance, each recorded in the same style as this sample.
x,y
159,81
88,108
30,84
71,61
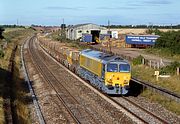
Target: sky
x,y
118,12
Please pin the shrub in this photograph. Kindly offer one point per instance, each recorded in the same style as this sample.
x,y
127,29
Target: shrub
x,y
1,54
170,69
138,60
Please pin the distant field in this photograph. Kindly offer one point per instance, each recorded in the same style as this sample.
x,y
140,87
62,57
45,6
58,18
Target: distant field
x,y
137,31
12,29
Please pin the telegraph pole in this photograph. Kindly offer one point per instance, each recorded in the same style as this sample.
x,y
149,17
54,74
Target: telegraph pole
x,y
109,40
17,22
63,32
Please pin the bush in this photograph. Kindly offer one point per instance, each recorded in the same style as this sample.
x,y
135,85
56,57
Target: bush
x,y
138,60
170,69
1,31
169,40
1,54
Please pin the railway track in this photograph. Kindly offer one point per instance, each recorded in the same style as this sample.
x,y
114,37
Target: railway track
x,y
74,108
49,77
142,113
138,113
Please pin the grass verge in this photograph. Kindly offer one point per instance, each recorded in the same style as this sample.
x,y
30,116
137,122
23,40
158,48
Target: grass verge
x,y
165,102
147,74
163,53
21,94
14,37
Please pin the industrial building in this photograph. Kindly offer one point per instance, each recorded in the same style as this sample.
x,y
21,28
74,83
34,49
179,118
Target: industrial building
x,y
86,32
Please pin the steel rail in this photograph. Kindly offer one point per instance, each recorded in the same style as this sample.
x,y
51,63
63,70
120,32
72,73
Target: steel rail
x,y
45,76
34,98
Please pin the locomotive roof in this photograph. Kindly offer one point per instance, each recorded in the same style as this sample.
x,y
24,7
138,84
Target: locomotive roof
x,y
100,56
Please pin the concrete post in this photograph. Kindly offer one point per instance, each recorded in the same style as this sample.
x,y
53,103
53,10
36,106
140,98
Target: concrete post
x,y
150,63
143,61
178,71
158,65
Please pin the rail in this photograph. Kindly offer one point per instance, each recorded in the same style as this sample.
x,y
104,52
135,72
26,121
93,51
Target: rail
x,y
35,101
46,75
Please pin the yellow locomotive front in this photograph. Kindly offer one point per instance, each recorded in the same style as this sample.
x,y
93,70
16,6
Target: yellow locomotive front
x,y
117,76
108,72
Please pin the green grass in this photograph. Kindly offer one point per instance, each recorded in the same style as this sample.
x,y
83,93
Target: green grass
x,y
20,94
165,102
147,74
164,53
12,29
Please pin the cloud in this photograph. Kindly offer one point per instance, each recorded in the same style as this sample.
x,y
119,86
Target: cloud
x,y
115,8
135,4
149,3
157,2
63,8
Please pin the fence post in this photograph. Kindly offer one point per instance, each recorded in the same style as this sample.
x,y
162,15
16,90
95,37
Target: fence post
x,y
178,71
150,63
158,65
143,60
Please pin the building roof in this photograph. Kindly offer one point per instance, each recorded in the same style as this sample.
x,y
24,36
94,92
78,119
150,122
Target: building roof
x,y
79,25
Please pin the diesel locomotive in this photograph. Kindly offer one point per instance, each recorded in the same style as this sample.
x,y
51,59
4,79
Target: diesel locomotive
x,y
109,73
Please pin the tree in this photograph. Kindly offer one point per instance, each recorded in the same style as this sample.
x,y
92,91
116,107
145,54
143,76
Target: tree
x,y
169,40
1,31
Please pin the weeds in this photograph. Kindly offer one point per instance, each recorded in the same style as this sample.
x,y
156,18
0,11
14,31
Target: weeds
x,y
165,102
138,60
147,74
14,37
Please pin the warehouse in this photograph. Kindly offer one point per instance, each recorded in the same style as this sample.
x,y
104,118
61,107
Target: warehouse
x,y
86,32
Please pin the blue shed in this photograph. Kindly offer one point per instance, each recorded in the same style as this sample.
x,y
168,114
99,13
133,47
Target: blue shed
x,y
86,37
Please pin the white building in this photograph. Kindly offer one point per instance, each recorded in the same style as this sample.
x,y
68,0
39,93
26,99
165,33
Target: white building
x,y
75,32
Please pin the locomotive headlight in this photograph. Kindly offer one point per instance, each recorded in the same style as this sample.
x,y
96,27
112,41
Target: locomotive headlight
x,y
126,81
109,80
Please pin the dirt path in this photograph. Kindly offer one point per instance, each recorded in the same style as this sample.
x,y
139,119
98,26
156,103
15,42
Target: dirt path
x,y
133,53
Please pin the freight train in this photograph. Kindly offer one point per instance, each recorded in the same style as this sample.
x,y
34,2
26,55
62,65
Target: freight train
x,y
109,73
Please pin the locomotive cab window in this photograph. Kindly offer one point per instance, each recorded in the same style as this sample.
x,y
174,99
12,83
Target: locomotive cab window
x,y
112,67
124,68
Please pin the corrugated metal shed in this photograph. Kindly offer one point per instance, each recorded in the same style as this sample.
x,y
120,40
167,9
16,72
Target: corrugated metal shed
x,y
76,32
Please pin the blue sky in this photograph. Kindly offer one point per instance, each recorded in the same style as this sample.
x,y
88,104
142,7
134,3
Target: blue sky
x,y
51,12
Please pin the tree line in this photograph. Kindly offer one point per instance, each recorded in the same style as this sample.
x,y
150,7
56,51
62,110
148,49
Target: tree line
x,y
144,26
168,40
12,26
